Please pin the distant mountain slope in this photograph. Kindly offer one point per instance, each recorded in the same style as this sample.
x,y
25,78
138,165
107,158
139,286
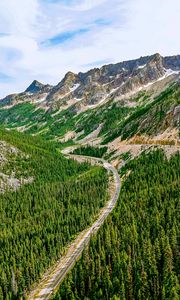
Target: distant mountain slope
x,y
36,87
100,84
154,118
117,100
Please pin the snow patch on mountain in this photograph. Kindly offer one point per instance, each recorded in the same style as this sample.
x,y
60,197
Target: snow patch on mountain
x,y
142,67
75,86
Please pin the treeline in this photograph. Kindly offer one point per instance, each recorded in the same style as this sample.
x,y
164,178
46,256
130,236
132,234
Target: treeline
x,y
39,219
90,151
135,253
108,115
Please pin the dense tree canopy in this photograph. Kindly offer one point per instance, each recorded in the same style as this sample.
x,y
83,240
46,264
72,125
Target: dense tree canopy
x,y
135,254
39,219
91,151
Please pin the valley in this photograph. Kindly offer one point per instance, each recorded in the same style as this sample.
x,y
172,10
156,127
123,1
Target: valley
x,y
53,277
67,231
39,219
134,254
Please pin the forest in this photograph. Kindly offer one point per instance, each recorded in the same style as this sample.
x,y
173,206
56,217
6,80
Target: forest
x,y
41,218
135,253
91,151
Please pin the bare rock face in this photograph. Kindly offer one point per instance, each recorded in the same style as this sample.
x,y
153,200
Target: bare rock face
x,y
143,75
152,71
99,84
176,114
34,92
37,87
64,87
172,62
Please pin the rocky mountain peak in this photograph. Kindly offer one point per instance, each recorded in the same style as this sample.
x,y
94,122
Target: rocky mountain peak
x,y
157,59
157,56
66,86
68,79
100,84
34,87
38,87
155,67
70,75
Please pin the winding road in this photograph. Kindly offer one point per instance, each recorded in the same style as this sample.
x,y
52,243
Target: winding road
x,y
54,276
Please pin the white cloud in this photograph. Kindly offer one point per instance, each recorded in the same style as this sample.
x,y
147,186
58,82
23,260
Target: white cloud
x,y
118,30
18,16
84,5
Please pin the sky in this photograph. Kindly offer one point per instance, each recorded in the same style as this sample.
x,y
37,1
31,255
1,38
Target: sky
x,y
44,39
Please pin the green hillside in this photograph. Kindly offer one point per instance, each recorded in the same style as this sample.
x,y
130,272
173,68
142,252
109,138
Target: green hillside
x,y
135,253
150,116
41,218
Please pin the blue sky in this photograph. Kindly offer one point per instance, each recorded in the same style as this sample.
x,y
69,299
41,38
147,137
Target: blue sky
x,y
43,39
63,37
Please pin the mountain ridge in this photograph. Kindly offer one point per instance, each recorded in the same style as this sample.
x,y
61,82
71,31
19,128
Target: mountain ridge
x,y
128,102
98,84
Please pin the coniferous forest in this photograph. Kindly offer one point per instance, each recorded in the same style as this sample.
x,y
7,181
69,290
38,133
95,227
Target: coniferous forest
x,y
91,151
41,218
135,254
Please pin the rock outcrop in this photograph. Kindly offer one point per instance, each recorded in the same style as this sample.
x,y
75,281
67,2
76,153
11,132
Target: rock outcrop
x,y
99,84
38,87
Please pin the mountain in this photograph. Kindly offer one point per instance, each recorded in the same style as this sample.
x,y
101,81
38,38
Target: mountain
x,y
128,114
35,93
38,87
100,84
128,101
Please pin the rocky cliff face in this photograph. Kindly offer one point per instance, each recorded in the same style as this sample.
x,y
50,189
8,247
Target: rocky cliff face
x,y
172,62
38,87
108,82
35,93
98,85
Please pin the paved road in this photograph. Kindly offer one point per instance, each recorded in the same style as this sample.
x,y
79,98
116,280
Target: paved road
x,y
52,279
